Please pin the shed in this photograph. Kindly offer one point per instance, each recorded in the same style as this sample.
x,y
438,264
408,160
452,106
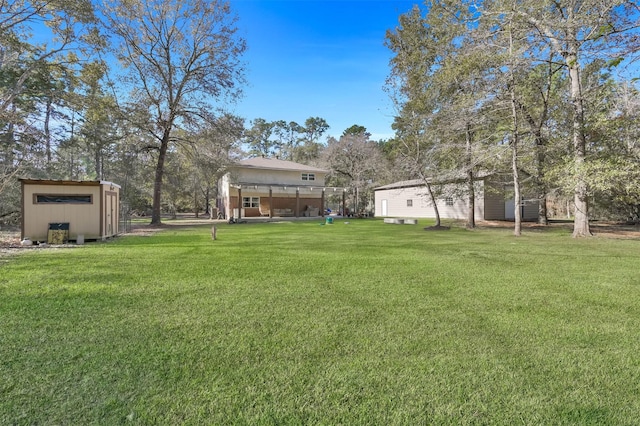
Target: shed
x,y
85,209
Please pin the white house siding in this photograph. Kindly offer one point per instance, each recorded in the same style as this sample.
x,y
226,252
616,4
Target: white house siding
x,y
279,185
280,177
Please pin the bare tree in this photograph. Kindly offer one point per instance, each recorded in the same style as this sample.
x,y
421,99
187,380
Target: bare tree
x,y
357,161
215,150
182,57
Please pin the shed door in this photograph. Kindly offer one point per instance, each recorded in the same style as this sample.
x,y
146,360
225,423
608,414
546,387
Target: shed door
x,y
384,207
111,214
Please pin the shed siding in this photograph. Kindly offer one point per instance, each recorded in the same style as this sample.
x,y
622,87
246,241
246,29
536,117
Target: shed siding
x,y
100,219
82,219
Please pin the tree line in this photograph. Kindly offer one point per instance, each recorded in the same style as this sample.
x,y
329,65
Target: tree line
x,y
527,88
137,94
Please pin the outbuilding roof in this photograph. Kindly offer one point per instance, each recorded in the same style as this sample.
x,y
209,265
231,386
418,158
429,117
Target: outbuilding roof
x,y
442,180
402,184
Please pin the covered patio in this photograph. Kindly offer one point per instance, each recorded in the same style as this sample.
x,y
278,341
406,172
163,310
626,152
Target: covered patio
x,y
254,200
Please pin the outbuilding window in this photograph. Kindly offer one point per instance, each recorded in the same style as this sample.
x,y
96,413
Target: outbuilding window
x,y
448,201
62,199
250,202
409,203
308,176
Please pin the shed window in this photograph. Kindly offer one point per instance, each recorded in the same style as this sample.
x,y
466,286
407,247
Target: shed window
x,y
250,202
409,203
63,199
308,176
448,201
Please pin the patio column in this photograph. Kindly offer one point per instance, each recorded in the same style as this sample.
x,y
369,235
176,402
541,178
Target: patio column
x,y
239,203
297,202
270,202
322,204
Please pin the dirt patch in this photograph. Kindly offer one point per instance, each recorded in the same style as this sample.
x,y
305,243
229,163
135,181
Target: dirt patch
x,y
602,229
10,245
10,240
437,228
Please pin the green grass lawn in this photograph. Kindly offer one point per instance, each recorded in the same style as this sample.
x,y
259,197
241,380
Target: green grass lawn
x,y
297,323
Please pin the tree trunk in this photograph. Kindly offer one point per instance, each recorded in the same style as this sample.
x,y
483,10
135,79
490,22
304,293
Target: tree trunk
x,y
98,164
157,185
196,206
47,131
471,215
435,205
355,202
208,208
517,229
543,214
515,139
581,215
432,197
9,140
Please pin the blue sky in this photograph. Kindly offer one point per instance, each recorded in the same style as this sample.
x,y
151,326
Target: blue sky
x,y
327,59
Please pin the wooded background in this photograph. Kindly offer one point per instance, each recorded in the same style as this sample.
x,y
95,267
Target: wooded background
x,y
544,91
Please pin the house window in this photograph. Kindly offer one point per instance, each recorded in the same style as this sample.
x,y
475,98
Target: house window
x,y
448,201
308,176
250,202
62,199
409,203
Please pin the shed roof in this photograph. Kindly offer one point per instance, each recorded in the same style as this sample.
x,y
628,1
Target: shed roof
x,y
277,164
67,182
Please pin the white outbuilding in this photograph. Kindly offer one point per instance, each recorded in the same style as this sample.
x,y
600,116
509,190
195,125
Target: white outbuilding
x,y
493,201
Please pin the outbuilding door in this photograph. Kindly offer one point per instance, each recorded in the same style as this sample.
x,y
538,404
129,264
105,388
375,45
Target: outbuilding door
x,y
111,214
384,207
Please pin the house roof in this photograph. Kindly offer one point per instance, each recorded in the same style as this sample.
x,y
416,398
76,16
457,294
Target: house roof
x,y
277,164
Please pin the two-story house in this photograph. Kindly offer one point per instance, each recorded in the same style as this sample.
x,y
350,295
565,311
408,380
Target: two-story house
x,y
274,188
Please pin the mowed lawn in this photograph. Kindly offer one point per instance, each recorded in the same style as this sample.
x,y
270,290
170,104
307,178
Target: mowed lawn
x,y
298,323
